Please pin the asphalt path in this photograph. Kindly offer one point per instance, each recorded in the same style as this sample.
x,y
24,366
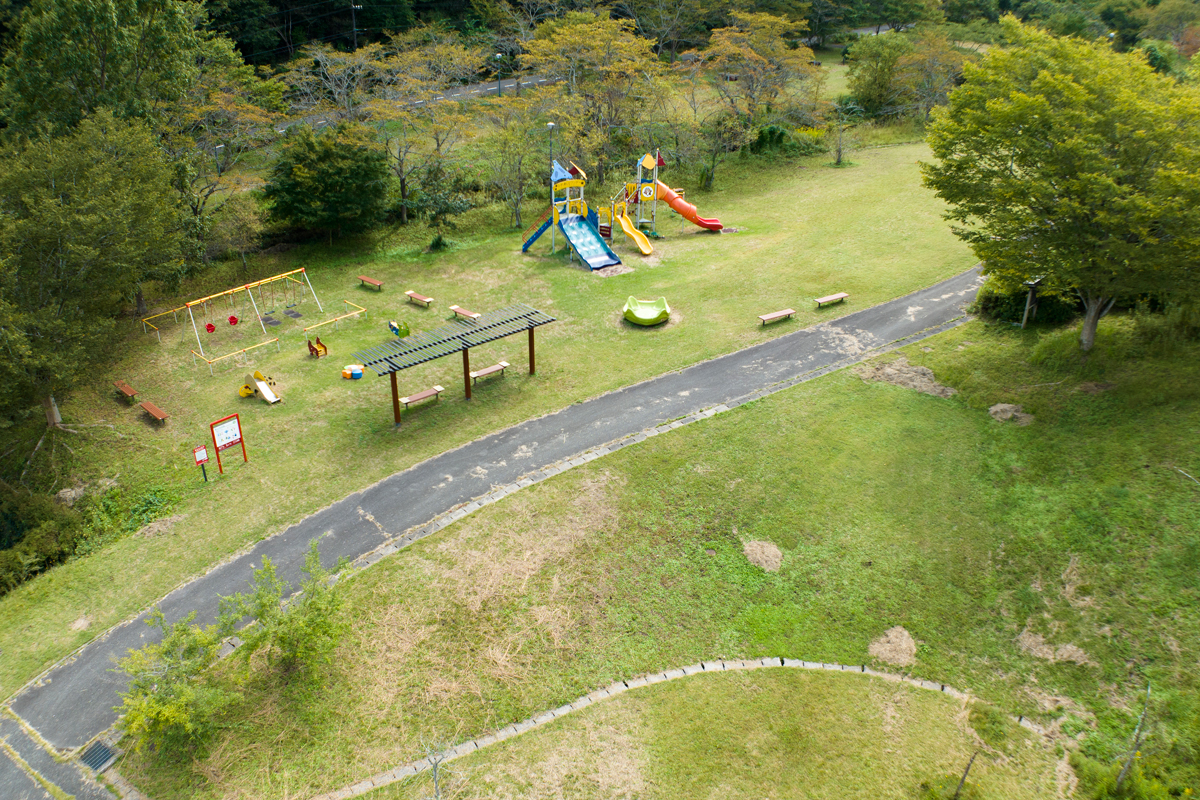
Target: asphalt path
x,y
73,701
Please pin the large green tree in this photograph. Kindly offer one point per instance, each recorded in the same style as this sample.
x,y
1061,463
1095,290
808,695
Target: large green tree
x,y
1066,161
335,182
86,218
75,56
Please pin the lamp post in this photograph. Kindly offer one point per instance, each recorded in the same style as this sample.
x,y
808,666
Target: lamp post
x,y
499,84
550,126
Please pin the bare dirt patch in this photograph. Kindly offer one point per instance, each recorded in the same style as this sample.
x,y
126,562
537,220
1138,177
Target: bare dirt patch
x,y
895,647
615,269
1071,581
764,555
910,376
1095,387
161,526
1036,645
1003,412
81,624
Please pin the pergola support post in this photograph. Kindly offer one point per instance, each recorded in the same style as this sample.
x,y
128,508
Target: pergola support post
x,y
395,400
467,370
531,362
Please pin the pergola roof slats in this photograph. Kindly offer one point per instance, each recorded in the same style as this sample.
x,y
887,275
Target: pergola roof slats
x,y
451,338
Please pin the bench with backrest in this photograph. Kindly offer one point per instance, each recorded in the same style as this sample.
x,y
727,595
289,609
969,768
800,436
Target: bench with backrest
x,y
413,297
494,368
319,349
425,395
774,315
124,388
462,312
364,280
154,411
833,298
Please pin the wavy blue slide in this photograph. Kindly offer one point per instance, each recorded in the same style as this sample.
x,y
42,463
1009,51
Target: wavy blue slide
x,y
587,242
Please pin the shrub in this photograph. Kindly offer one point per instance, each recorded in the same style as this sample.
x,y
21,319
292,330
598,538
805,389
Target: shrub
x,y
298,636
1098,781
171,705
35,534
1009,306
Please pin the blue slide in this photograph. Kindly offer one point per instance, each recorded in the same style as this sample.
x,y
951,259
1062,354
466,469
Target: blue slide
x,y
587,242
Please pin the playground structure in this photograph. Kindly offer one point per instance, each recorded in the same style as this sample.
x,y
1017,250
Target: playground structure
x,y
259,385
646,312
569,212
634,208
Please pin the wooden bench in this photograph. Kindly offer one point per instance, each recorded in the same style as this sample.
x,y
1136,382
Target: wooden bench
x,y
125,389
154,411
462,312
774,315
833,298
364,280
425,395
413,297
494,368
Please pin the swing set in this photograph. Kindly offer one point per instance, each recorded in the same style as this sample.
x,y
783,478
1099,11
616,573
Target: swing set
x,y
284,287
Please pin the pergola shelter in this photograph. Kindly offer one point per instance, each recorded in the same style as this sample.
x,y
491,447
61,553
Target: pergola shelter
x,y
460,335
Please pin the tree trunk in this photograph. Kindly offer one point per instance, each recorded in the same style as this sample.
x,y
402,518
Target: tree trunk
x,y
403,201
1094,307
53,418
140,299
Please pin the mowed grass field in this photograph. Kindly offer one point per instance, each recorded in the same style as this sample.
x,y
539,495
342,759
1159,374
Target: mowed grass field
x,y
771,733
804,231
1050,569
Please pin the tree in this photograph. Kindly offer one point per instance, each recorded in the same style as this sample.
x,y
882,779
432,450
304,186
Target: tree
x,y
87,217
1062,159
928,73
297,634
335,182
170,704
609,75
756,71
332,82
237,226
841,135
873,80
514,152
75,56
1170,19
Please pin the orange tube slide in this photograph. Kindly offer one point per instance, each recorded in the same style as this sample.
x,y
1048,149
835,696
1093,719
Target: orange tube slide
x,y
684,208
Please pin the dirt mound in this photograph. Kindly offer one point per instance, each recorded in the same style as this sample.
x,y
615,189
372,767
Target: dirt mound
x,y
1002,412
901,373
615,269
896,646
764,555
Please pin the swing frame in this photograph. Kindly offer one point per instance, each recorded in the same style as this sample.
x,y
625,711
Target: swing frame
x,y
248,289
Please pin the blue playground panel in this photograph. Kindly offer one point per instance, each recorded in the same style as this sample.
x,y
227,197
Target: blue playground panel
x,y
529,242
587,242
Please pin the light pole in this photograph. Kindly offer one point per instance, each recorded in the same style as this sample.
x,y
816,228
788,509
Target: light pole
x,y
499,63
550,126
354,22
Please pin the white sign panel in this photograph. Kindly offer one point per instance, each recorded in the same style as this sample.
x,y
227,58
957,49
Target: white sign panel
x,y
227,433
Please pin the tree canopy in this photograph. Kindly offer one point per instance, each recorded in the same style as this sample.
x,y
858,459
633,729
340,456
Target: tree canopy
x,y
87,217
1066,161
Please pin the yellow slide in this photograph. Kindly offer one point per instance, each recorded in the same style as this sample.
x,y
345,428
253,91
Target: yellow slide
x,y
638,237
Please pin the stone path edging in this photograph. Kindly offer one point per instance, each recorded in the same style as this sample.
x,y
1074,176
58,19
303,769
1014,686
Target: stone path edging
x,y
414,768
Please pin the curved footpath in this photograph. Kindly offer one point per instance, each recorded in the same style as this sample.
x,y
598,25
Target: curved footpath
x,y
413,768
72,702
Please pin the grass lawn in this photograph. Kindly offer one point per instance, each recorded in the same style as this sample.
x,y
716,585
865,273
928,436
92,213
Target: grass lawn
x,y
1050,569
771,733
806,230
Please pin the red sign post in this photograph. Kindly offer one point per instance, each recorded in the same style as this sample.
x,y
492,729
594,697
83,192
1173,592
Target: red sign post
x,y
226,433
200,453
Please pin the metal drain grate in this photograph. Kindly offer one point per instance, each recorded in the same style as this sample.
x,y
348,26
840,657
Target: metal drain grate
x,y
98,757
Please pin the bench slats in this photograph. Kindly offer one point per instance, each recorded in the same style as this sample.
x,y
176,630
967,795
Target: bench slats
x,y
477,374
833,298
425,395
413,297
125,389
376,283
774,315
462,312
154,411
